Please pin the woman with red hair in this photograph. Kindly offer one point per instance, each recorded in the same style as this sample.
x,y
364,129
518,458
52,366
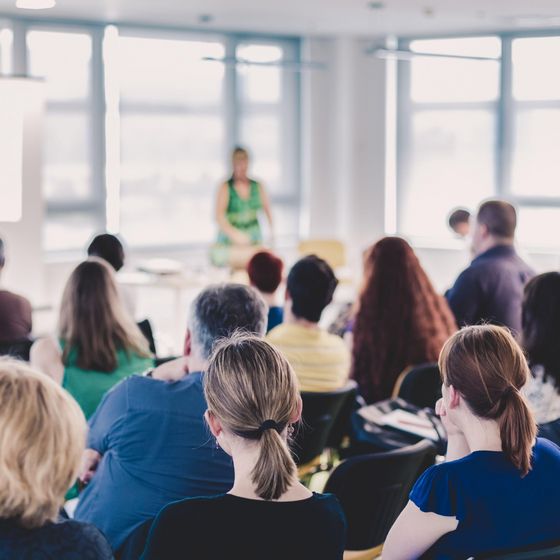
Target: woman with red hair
x,y
400,321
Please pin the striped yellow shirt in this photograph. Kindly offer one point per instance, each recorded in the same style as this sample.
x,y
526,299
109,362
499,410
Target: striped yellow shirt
x,y
320,360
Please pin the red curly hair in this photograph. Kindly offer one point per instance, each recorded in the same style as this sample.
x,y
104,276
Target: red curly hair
x,y
400,319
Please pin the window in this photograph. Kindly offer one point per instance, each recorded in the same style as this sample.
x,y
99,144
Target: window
x,y
448,131
267,116
173,138
6,45
63,60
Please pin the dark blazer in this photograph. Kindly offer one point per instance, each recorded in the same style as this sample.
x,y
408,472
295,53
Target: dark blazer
x,y
491,289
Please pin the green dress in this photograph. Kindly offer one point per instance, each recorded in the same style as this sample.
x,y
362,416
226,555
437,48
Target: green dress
x,y
89,386
243,214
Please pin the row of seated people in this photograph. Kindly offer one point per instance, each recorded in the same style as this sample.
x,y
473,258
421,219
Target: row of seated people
x,y
496,490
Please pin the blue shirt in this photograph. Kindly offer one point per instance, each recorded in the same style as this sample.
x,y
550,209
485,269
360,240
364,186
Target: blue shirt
x,y
497,509
491,289
156,449
275,317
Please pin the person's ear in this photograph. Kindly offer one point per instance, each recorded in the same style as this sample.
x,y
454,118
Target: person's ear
x,y
187,349
484,231
213,423
296,416
287,296
454,397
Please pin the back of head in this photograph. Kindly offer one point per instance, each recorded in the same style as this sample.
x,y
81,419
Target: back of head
x,y
252,389
311,285
459,216
499,217
541,323
487,367
400,320
109,248
93,320
265,272
220,310
42,437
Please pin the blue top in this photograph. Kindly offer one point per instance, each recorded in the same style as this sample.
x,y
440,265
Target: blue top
x,y
497,509
156,449
491,289
232,527
275,317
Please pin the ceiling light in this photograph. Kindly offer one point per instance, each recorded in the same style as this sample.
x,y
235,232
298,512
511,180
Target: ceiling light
x,y
35,4
376,5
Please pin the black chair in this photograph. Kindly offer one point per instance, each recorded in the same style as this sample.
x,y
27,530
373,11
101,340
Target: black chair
x,y
146,328
420,386
373,489
550,431
17,349
320,412
342,424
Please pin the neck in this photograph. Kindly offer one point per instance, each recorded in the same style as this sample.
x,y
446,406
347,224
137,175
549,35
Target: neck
x,y
196,363
495,242
291,319
482,434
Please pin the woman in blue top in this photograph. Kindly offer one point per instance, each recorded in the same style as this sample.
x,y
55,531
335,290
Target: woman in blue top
x,y
498,489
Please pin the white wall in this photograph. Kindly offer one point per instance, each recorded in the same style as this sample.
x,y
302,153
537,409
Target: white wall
x,y
24,272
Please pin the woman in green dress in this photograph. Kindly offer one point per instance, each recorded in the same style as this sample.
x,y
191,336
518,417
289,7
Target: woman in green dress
x,y
98,342
240,200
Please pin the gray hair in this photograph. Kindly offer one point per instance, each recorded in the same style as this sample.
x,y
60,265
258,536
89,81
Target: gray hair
x,y
221,310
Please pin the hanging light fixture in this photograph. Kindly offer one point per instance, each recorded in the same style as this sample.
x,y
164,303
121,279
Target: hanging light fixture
x,y
35,4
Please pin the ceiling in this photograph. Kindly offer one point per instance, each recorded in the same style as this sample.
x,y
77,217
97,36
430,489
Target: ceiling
x,y
317,17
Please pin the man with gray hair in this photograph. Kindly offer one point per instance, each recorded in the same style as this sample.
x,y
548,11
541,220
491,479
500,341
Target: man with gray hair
x,y
148,444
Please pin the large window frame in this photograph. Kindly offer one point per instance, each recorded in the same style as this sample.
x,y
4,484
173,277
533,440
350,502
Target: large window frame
x,y
504,109
102,202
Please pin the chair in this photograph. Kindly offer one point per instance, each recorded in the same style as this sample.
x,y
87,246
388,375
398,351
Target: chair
x,y
17,349
550,551
373,489
342,423
419,385
330,250
146,329
320,413
550,431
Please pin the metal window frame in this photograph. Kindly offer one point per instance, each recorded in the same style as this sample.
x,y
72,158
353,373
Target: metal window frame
x,y
504,107
96,206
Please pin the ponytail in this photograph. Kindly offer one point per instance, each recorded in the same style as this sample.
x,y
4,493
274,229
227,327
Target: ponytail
x,y
275,468
517,430
487,367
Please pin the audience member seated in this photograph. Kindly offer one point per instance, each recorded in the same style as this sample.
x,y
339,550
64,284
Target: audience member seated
x,y
540,338
265,274
98,342
490,290
498,489
42,434
401,321
15,311
460,222
109,248
321,360
148,443
253,400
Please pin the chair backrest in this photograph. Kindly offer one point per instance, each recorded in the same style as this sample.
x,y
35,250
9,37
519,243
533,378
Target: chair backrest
x,y
146,329
320,412
373,489
331,250
342,423
550,431
420,385
17,349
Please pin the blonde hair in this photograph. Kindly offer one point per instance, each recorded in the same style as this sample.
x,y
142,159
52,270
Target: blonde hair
x,y
42,437
252,389
93,320
487,366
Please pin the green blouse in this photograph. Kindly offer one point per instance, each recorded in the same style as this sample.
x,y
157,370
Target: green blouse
x,y
243,214
89,386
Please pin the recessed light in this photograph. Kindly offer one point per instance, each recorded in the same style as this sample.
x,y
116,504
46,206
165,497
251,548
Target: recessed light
x,y
374,5
35,4
205,18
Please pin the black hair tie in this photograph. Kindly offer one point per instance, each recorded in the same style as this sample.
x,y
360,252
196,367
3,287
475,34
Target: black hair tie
x,y
266,425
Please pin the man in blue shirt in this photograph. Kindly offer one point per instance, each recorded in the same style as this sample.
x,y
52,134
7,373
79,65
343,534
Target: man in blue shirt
x,y
148,444
491,288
